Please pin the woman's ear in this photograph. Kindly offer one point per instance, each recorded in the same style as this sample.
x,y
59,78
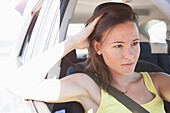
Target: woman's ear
x,y
97,46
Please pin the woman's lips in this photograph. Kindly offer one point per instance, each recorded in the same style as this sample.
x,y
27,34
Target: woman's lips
x,y
128,65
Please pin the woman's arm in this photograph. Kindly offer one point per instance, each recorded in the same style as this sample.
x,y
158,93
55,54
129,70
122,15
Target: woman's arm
x,y
30,77
162,84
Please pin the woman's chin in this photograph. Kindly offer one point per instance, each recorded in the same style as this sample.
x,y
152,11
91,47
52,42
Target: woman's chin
x,y
128,71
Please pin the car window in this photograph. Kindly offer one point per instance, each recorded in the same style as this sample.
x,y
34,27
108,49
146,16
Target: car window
x,y
27,38
26,34
43,31
155,31
153,26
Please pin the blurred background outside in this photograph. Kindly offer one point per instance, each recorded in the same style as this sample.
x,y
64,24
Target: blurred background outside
x,y
9,29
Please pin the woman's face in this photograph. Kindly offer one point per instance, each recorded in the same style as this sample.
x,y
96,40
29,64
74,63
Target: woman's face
x,y
121,49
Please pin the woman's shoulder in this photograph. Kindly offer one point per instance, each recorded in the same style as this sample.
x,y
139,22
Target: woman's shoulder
x,y
159,78
156,76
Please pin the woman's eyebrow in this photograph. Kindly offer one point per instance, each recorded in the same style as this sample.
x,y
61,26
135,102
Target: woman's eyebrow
x,y
136,40
124,42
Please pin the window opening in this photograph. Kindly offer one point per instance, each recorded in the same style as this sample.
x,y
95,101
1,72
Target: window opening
x,y
28,34
157,32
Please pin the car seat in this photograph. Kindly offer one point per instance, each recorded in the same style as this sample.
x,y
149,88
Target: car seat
x,y
160,59
146,54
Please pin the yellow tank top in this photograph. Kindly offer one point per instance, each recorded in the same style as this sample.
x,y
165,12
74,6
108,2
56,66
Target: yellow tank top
x,y
109,104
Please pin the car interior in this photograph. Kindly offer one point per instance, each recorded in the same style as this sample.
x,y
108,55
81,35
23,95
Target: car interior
x,y
50,22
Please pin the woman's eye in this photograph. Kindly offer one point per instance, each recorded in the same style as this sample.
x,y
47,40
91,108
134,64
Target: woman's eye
x,y
135,43
118,46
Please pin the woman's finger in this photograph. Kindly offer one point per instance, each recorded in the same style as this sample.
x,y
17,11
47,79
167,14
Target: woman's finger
x,y
82,36
90,27
96,20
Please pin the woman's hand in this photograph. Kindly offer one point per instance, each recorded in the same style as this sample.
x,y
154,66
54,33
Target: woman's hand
x,y
81,39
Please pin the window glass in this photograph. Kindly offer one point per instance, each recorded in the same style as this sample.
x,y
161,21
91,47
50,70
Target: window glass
x,y
154,30
157,32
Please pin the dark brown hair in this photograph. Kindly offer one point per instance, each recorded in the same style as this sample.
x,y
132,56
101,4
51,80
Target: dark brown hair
x,y
113,14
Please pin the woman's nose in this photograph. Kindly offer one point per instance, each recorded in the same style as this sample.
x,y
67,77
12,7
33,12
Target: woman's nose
x,y
128,53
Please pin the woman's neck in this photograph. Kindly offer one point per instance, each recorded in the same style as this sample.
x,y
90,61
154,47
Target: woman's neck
x,y
123,82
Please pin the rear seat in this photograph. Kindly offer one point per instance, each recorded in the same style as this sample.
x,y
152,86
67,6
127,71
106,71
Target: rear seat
x,y
145,53
164,61
160,59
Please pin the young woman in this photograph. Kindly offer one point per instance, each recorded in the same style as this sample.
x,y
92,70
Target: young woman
x,y
112,37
